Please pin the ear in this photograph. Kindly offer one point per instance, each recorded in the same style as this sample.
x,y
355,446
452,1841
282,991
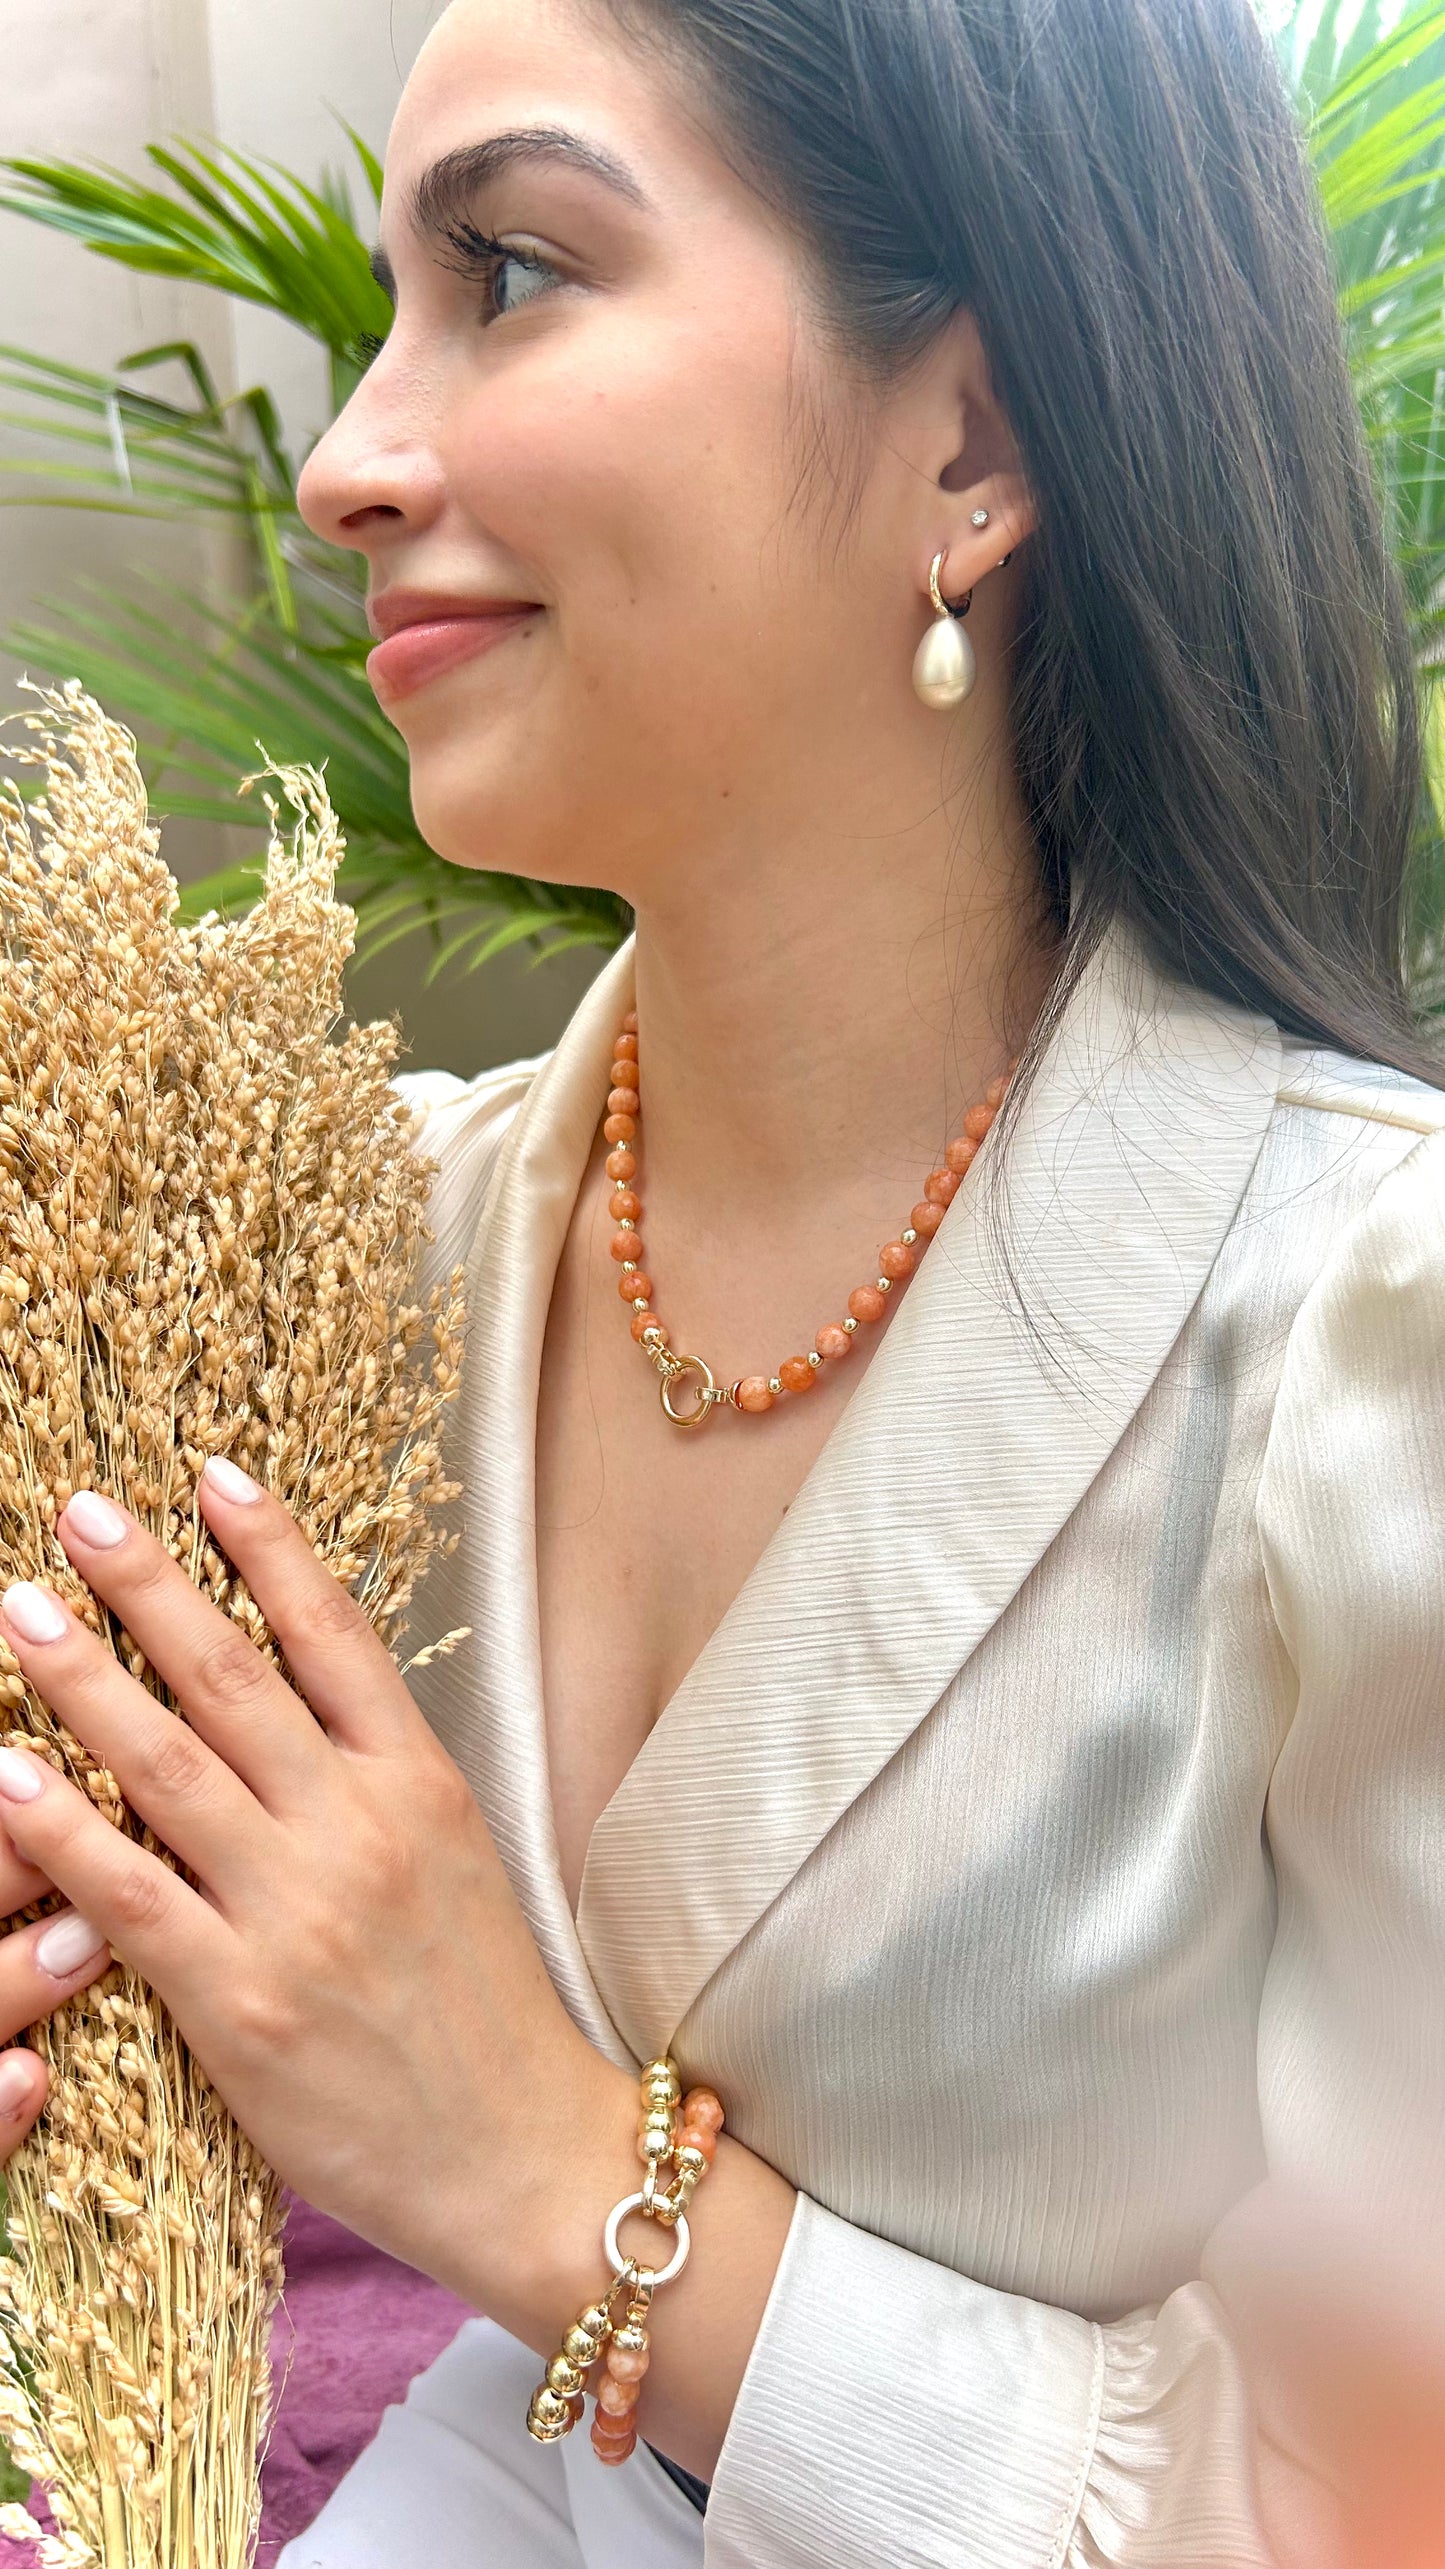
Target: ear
x,y
965,459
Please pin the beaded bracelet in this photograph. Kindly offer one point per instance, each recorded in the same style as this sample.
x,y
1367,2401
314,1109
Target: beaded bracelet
x,y
689,2140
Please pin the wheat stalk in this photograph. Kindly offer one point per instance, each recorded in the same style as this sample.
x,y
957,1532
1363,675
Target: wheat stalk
x,y
210,1218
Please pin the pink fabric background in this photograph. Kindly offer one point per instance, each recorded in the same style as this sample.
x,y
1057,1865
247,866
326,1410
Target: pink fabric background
x,y
356,2327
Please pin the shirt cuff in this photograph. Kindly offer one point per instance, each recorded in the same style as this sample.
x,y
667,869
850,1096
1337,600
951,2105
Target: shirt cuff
x,y
895,2411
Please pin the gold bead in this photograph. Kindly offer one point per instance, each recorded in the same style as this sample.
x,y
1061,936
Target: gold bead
x,y
581,2345
631,2339
661,2073
545,2434
774,1385
597,2321
908,1237
654,2144
691,2162
548,2408
564,2377
850,1324
814,1358
884,1283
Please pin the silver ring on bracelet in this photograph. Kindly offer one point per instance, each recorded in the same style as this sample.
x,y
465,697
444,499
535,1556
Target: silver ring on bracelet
x,y
619,2263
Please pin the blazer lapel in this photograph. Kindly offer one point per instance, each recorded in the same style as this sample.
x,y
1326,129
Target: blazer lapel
x,y
485,1701
950,1470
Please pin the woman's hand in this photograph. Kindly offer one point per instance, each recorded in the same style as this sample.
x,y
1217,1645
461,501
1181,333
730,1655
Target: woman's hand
x,y
355,1974
40,1967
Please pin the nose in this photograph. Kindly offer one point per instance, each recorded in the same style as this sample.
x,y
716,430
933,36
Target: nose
x,y
371,477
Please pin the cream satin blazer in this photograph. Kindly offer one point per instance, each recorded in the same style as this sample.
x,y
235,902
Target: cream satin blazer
x,y
1048,1842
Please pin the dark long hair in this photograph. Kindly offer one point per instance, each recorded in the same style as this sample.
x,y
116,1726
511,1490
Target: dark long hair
x,y
1213,706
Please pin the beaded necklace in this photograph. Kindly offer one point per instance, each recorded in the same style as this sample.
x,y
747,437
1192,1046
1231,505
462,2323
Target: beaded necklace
x,y
754,1393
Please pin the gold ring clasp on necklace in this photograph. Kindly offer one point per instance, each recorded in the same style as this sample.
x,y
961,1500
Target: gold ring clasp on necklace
x,y
707,1397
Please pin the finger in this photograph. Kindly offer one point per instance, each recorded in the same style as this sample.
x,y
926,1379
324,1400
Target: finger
x,y
232,1697
178,1785
20,1883
23,2082
40,1967
44,1964
344,1670
147,1914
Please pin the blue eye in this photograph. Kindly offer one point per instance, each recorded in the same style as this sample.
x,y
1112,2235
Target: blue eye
x,y
517,280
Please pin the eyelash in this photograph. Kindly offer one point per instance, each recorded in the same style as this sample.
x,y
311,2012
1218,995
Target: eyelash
x,y
478,254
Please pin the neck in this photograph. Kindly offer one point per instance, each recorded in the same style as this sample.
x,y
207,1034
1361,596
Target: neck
x,y
814,1021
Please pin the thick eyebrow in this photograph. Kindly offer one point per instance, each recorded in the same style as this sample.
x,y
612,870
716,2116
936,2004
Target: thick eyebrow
x,y
444,191
441,199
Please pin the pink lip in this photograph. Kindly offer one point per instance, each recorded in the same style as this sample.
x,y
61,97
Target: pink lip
x,y
420,652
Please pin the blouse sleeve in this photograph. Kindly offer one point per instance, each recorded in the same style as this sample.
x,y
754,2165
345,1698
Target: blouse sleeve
x,y
1283,2409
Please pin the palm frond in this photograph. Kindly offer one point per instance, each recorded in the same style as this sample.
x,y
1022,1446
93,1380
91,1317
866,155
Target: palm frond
x,y
230,220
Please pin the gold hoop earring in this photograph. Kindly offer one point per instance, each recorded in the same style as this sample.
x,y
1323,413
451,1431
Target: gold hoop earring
x,y
944,665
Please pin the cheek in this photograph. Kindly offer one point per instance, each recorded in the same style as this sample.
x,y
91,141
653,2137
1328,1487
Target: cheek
x,y
643,476
657,514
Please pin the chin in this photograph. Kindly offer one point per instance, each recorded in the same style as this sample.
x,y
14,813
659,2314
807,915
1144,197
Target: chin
x,y
477,815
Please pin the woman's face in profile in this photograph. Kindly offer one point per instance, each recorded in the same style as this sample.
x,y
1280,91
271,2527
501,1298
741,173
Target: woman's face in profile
x,y
609,410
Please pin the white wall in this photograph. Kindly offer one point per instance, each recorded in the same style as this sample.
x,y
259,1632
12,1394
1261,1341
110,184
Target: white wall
x,y
98,80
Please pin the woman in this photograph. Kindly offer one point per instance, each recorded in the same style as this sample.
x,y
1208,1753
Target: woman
x,y
1000,1754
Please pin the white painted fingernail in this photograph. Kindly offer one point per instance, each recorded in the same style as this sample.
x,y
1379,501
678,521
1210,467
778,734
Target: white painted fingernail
x,y
95,1520
17,2085
230,1480
35,1613
65,1946
22,1778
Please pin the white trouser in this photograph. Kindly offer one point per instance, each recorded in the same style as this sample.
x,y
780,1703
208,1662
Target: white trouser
x,y
454,2481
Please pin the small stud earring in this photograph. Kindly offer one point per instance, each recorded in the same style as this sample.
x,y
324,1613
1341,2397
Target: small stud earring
x,y
944,664
979,517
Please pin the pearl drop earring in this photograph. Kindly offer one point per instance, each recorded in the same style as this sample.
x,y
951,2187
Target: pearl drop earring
x,y
944,664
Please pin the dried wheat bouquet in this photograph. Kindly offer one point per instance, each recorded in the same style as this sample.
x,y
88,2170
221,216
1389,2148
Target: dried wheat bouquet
x,y
210,1218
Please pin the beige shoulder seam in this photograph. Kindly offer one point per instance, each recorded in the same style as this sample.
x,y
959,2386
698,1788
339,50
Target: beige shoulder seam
x,y
1367,1107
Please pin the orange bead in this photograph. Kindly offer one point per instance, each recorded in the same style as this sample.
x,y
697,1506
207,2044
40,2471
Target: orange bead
x,y
925,1219
642,1321
636,1288
624,1075
977,1121
895,1259
996,1091
619,1128
625,1047
624,1206
753,1392
865,1302
612,2454
627,2363
695,2138
615,2430
703,2105
832,1341
615,2397
959,1153
621,1164
940,1187
626,1244
796,1374
623,1101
